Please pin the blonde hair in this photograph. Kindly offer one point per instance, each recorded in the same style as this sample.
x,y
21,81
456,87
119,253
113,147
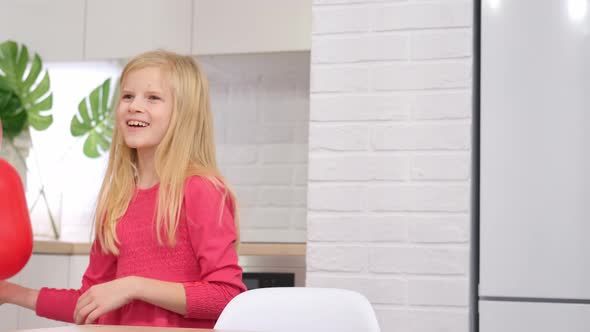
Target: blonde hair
x,y
187,149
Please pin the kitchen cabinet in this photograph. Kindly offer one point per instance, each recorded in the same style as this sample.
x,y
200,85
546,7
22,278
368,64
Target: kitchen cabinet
x,y
52,28
120,29
254,26
55,271
42,271
533,316
75,30
78,265
9,313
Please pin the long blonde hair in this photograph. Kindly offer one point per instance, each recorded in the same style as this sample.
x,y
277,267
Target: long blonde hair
x,y
187,149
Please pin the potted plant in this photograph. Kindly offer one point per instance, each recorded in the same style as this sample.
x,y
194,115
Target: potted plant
x,y
25,101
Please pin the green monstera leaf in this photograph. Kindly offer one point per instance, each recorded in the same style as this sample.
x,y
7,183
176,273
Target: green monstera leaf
x,y
95,118
29,82
12,114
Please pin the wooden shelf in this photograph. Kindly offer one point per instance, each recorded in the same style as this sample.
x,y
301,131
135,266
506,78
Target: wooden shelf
x,y
245,249
272,249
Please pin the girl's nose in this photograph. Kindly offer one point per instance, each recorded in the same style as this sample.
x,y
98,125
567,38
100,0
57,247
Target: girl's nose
x,y
135,106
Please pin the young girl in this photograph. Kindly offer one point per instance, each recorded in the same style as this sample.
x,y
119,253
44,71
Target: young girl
x,y
165,249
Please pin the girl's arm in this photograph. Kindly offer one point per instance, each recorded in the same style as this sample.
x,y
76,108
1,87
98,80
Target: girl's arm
x,y
59,304
172,296
168,295
18,295
103,298
213,236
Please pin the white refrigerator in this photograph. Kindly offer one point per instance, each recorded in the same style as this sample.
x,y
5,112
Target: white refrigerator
x,y
534,166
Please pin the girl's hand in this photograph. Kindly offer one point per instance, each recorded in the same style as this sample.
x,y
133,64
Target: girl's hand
x,y
19,295
3,292
7,292
103,298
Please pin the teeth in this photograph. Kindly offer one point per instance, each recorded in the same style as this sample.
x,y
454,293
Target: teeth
x,y
137,123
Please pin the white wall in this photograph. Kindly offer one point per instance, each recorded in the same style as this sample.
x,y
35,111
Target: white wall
x,y
389,160
261,108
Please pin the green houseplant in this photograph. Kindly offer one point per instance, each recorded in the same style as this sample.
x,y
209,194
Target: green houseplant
x,y
26,101
24,79
95,120
25,93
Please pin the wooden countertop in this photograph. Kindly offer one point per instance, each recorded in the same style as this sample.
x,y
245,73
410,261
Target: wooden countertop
x,y
245,249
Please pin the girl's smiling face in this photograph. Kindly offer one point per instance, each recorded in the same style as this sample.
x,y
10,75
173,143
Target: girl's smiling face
x,y
145,108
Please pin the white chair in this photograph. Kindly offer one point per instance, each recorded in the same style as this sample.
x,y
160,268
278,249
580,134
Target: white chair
x,y
299,309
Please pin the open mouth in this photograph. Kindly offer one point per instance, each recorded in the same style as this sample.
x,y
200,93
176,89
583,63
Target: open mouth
x,y
137,124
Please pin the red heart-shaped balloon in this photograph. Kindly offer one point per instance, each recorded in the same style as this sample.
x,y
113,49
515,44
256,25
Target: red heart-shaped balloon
x,y
16,234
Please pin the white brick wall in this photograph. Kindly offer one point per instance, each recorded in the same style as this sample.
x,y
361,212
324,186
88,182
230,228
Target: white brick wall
x,y
261,107
389,161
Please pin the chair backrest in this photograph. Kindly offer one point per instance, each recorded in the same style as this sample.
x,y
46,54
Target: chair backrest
x,y
299,309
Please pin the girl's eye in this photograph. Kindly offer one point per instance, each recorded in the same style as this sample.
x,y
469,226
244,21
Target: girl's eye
x,y
154,98
127,97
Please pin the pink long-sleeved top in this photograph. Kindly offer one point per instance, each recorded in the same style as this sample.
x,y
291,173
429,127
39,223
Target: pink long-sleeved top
x,y
204,260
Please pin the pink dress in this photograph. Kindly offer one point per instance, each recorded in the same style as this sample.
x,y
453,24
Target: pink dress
x,y
204,260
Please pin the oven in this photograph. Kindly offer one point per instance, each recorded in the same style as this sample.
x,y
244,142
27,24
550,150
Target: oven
x,y
273,271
